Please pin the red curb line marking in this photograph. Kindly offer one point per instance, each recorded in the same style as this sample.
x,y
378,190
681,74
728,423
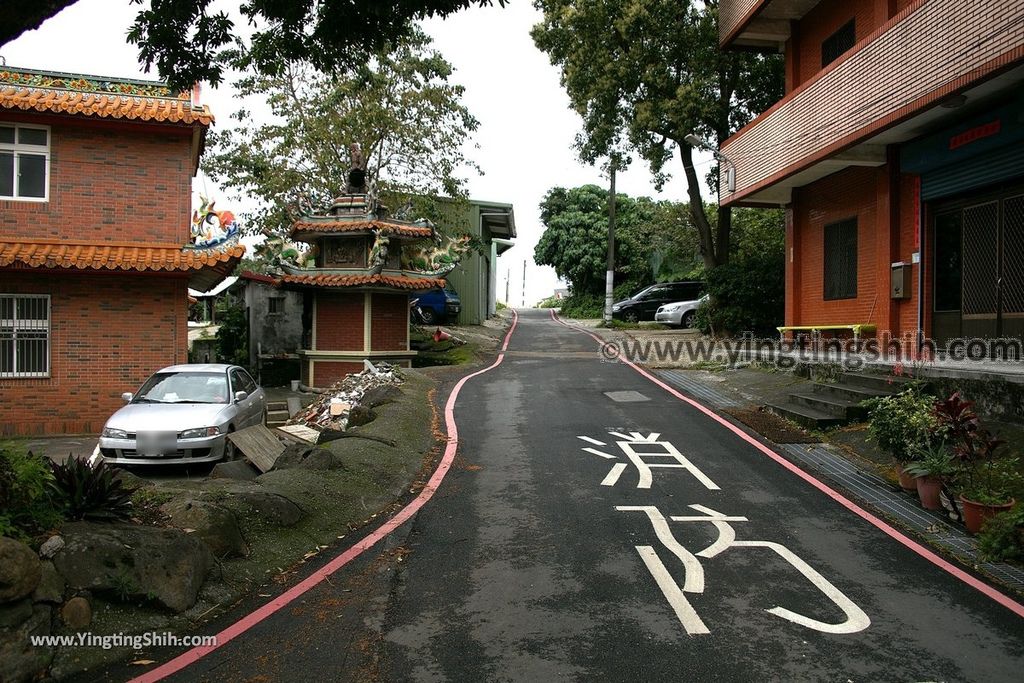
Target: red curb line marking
x,y
248,621
1004,600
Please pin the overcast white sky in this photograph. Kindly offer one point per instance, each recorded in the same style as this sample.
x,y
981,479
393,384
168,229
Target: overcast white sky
x,y
526,126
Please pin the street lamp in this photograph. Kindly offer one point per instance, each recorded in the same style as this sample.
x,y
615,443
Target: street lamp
x,y
730,169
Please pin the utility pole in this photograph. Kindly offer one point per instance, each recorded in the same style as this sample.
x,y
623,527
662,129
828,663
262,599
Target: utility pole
x,y
524,283
508,276
609,277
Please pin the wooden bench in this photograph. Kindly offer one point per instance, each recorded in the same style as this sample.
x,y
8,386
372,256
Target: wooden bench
x,y
816,330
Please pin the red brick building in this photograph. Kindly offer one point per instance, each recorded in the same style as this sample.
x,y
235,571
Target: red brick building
x,y
898,152
95,257
356,288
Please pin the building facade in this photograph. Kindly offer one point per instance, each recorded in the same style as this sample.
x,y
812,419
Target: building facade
x,y
898,153
96,251
476,279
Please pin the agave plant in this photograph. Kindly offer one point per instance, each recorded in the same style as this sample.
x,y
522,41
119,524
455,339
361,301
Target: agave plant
x,y
87,491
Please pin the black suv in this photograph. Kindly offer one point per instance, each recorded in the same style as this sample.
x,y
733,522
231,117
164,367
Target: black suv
x,y
644,304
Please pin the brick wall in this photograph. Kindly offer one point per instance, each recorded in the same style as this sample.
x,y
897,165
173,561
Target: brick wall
x,y
899,72
108,333
108,183
847,194
339,321
326,373
820,23
389,322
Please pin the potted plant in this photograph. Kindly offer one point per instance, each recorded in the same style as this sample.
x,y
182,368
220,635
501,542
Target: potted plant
x,y
901,424
985,479
932,468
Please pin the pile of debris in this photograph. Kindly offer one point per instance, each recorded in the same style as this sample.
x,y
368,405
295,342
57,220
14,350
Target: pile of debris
x,y
332,410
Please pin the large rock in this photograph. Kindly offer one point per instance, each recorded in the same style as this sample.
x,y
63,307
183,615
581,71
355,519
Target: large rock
x,y
20,661
378,396
216,525
270,507
14,614
239,470
19,570
134,562
360,415
51,547
51,585
76,613
304,456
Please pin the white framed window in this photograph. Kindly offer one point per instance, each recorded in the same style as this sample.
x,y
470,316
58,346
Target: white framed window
x,y
24,162
24,335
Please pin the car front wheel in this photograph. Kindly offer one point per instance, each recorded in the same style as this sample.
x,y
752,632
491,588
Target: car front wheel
x,y
631,317
230,452
690,320
428,315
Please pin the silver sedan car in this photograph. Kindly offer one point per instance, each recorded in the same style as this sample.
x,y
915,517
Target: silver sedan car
x,y
182,415
680,314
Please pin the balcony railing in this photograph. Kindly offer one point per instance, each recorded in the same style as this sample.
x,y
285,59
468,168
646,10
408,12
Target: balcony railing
x,y
922,55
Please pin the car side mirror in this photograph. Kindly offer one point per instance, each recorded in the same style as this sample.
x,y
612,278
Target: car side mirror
x,y
240,396
127,397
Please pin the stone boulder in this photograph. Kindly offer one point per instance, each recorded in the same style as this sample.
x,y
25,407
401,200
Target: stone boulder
x,y
134,562
51,585
20,661
304,456
19,570
378,396
270,507
214,524
239,470
76,613
360,415
51,547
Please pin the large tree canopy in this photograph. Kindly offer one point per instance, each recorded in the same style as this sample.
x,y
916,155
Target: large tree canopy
x,y
184,38
649,239
400,107
644,74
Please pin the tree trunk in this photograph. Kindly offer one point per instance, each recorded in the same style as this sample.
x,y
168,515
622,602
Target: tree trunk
x,y
722,240
697,212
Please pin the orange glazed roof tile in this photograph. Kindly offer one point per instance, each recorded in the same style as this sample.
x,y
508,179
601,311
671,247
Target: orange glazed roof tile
x,y
30,90
396,281
123,257
335,226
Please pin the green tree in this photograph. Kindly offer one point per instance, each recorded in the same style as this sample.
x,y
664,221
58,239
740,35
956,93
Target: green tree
x,y
185,40
575,237
400,107
644,74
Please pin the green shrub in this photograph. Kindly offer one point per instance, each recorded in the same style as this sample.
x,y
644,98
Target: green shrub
x,y
25,507
583,306
551,302
89,492
747,295
1001,536
902,424
233,336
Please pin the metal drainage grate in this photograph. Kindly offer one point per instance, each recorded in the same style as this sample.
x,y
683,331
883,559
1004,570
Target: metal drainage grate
x,y
698,389
626,396
879,494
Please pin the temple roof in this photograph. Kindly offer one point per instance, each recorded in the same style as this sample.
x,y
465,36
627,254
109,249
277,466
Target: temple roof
x,y
206,266
367,281
97,96
338,225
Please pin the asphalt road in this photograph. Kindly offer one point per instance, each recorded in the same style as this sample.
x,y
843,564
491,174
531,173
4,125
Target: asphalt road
x,y
525,567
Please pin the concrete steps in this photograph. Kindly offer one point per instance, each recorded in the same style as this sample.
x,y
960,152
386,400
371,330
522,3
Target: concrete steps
x,y
277,413
829,405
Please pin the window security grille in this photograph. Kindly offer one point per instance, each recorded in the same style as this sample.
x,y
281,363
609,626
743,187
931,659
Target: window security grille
x,y
24,335
838,43
840,278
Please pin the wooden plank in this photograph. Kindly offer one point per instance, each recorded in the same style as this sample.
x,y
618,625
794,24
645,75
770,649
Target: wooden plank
x,y
259,445
300,432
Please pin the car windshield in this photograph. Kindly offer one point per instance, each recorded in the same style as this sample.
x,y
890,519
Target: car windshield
x,y
184,387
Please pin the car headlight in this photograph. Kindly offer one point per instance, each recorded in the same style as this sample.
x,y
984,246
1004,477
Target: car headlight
x,y
200,432
615,308
669,309
111,433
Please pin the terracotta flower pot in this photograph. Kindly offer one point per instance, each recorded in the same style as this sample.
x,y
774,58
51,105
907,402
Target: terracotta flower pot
x,y
928,490
907,481
975,514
